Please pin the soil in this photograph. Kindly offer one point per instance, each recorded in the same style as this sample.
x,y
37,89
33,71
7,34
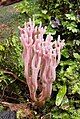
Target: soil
x,y
10,19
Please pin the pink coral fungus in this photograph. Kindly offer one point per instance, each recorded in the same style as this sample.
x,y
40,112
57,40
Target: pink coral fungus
x,y
41,57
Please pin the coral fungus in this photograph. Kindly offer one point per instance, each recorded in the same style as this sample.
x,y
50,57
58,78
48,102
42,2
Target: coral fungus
x,y
41,57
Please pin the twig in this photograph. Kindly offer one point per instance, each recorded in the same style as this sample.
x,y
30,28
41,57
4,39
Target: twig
x,y
16,107
13,106
14,75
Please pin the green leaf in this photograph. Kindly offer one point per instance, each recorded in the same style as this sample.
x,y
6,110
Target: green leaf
x,y
60,95
1,108
56,5
2,48
76,55
74,30
65,53
50,30
71,16
75,89
65,103
44,11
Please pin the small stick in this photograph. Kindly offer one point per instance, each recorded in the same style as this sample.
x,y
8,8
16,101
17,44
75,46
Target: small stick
x,y
16,107
14,75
